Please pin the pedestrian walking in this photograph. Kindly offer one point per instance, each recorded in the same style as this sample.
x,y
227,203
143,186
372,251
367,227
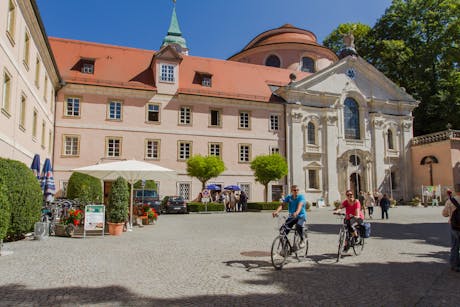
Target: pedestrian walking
x,y
385,205
362,199
369,202
243,201
452,211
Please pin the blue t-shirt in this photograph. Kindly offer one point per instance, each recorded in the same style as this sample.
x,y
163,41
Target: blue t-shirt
x,y
293,203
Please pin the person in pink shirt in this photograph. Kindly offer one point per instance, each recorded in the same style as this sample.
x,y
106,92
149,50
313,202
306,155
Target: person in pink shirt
x,y
354,215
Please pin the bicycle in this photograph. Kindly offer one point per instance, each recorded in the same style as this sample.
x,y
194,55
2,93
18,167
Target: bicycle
x,y
282,247
357,243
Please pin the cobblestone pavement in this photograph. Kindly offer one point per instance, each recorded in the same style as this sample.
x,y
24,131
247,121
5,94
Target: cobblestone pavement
x,y
222,259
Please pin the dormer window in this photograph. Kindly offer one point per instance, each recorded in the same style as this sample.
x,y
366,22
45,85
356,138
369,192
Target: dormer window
x,y
85,66
88,68
167,73
203,78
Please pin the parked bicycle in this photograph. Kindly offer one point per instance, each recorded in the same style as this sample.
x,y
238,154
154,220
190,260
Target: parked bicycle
x,y
287,244
55,211
347,240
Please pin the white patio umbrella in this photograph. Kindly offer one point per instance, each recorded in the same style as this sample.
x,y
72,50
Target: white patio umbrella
x,y
131,170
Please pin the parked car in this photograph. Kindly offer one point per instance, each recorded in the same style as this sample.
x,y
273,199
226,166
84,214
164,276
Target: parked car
x,y
174,204
149,197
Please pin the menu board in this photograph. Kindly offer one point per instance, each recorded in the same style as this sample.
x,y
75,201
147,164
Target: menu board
x,y
94,217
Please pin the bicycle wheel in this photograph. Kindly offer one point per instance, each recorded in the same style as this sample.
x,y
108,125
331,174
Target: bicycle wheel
x,y
341,242
300,253
279,252
358,246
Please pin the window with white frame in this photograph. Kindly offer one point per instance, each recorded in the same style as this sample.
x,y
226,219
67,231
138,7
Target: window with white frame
x,y
6,92
244,120
274,150
215,118
313,180
72,107
26,50
390,139
244,153
71,145
274,122
153,113
167,73
114,110
37,73
185,115
43,134
311,133
184,150
184,190
45,89
34,123
88,67
50,141
22,112
215,149
152,149
11,20
113,147
246,187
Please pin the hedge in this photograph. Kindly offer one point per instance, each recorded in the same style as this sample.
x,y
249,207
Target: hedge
x,y
199,207
257,206
85,188
24,195
5,211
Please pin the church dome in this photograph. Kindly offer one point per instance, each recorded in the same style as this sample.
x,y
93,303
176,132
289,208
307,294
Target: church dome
x,y
284,34
286,47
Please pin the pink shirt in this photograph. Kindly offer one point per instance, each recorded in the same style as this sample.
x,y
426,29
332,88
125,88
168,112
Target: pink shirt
x,y
351,209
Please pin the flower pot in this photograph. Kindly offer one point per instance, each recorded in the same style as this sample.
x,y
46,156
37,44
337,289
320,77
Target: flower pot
x,y
115,229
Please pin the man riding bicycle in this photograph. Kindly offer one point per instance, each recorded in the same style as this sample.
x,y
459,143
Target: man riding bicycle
x,y
297,213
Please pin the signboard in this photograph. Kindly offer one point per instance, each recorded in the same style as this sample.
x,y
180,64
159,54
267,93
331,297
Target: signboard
x,y
94,218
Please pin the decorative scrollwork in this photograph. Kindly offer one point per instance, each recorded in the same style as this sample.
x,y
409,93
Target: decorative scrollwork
x,y
296,117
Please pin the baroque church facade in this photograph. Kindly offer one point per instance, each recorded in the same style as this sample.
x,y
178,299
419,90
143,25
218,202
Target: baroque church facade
x,y
340,123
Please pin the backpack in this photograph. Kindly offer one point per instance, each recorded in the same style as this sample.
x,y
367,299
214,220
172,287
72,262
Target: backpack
x,y
366,230
455,218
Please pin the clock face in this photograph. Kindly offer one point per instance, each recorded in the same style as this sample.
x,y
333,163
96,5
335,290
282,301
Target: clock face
x,y
351,73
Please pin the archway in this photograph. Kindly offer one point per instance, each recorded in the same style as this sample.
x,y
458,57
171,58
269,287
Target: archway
x,y
355,184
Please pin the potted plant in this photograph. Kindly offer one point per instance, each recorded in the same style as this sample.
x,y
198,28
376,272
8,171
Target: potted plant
x,y
153,216
117,211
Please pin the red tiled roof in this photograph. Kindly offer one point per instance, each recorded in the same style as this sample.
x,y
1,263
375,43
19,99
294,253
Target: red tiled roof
x,y
130,68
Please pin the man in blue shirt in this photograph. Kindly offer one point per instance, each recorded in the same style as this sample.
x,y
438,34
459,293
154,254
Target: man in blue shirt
x,y
297,213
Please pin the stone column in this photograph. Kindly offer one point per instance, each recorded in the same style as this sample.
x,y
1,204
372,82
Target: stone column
x,y
405,159
330,149
297,149
379,152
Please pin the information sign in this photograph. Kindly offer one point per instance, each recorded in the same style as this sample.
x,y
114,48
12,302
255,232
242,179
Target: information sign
x,y
94,218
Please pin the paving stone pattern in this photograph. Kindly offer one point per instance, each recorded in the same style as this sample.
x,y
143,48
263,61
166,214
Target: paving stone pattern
x,y
222,259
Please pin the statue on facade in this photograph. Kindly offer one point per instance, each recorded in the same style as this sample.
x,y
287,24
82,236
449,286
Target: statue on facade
x,y
349,45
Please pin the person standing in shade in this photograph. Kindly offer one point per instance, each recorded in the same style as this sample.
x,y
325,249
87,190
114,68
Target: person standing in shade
x,y
243,201
453,204
385,205
362,199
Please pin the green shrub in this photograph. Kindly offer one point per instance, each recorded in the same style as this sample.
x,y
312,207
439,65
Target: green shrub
x,y
200,207
117,210
149,185
257,206
5,211
24,195
84,188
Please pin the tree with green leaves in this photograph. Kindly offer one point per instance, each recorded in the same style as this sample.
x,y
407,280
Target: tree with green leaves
x,y
268,168
205,167
416,44
117,210
85,188
149,185
334,40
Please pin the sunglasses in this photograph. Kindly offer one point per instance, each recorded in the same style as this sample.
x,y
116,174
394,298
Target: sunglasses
x,y
297,190
349,194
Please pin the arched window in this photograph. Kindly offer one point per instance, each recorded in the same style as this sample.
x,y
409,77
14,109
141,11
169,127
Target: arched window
x,y
311,135
273,61
390,139
308,65
351,114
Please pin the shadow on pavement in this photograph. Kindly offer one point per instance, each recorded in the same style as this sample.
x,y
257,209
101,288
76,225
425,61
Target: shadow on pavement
x,y
367,284
431,233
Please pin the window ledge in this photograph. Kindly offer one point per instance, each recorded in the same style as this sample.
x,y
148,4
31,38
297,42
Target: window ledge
x,y
10,38
70,156
6,113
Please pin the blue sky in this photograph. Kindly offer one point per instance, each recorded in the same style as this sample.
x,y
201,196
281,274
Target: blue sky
x,y
212,28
